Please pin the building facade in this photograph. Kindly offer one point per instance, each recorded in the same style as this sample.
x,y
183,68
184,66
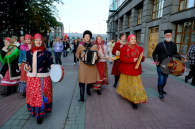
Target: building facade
x,y
148,19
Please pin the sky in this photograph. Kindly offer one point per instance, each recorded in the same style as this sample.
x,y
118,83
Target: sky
x,y
84,15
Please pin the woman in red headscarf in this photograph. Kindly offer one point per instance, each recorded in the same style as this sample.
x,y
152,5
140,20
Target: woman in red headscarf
x,y
130,84
101,65
21,63
39,86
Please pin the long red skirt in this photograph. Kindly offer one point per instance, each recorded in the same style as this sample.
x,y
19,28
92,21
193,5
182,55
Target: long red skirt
x,y
39,96
23,79
103,72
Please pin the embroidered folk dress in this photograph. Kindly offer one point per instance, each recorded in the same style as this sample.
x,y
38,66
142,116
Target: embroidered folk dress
x,y
130,85
102,68
39,86
22,61
9,73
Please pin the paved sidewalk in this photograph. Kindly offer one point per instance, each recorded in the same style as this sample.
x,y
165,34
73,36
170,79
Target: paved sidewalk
x,y
109,110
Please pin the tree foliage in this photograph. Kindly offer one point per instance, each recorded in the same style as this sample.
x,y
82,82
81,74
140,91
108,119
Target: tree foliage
x,y
28,16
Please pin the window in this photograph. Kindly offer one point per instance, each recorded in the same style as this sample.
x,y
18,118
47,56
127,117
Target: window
x,y
138,36
185,4
185,36
157,9
129,21
139,19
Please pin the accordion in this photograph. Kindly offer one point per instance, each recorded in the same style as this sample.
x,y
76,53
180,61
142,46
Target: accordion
x,y
89,57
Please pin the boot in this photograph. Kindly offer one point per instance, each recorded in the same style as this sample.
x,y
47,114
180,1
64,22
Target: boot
x,y
161,92
39,121
186,79
88,89
99,92
134,106
82,92
116,81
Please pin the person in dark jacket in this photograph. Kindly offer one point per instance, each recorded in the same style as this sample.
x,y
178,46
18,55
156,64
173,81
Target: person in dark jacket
x,y
66,46
191,57
163,53
75,43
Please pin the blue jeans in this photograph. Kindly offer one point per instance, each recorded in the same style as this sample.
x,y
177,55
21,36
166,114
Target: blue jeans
x,y
64,53
162,78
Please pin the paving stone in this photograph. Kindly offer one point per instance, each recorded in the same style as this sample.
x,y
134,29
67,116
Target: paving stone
x,y
6,127
14,116
15,122
22,122
70,122
20,117
68,126
17,127
9,122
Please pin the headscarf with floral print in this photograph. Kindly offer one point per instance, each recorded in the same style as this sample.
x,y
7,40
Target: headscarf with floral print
x,y
133,50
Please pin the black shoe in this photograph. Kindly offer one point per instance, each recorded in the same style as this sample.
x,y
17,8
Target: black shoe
x,y
39,121
99,92
134,106
186,79
88,89
116,81
193,84
24,94
114,85
161,92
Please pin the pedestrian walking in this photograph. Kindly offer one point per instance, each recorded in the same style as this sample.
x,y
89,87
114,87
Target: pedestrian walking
x,y
111,45
76,44
66,46
163,50
130,85
39,86
87,74
22,40
9,73
58,48
191,57
21,63
53,41
49,45
101,65
116,51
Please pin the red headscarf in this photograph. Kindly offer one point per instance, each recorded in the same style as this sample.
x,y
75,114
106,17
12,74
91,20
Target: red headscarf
x,y
7,38
34,47
28,36
101,44
132,48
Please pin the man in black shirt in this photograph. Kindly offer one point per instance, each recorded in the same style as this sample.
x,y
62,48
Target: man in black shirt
x,y
159,54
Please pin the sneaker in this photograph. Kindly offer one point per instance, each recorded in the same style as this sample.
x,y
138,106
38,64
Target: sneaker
x,y
74,63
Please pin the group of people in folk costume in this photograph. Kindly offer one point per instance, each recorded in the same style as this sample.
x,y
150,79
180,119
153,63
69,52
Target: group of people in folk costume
x,y
31,73
34,61
130,85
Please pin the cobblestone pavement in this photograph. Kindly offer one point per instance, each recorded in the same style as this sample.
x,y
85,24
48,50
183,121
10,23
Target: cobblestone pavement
x,y
109,110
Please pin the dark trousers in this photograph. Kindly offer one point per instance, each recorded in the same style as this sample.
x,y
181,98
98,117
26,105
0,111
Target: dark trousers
x,y
192,73
75,59
162,78
58,58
